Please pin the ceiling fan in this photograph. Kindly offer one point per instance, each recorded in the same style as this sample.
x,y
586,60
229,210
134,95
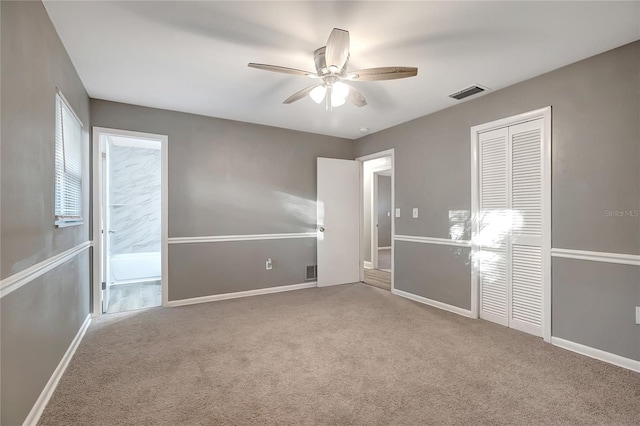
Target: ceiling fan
x,y
331,68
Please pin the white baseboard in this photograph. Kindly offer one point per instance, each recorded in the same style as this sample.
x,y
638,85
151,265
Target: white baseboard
x,y
384,248
434,303
238,294
367,265
50,387
599,354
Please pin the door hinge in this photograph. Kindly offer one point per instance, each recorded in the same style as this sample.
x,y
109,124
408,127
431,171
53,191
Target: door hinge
x,y
104,285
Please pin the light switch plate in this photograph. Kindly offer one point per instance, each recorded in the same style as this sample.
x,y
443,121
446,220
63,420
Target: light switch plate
x,y
269,264
637,314
397,212
415,212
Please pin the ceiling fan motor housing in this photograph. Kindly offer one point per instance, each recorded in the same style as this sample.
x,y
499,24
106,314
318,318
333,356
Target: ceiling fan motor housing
x,y
321,63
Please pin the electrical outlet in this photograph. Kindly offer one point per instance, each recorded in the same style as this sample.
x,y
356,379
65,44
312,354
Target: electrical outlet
x,y
397,212
269,264
415,212
637,314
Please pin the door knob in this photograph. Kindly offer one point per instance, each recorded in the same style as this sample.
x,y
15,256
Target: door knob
x,y
321,229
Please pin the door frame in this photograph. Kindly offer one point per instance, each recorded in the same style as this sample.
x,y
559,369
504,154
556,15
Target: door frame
x,y
381,154
98,214
545,115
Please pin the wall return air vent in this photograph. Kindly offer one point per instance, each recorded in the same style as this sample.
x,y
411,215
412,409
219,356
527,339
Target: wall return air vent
x,y
469,91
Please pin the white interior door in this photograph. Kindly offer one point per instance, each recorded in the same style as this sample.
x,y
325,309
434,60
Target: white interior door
x,y
106,223
494,226
526,199
338,206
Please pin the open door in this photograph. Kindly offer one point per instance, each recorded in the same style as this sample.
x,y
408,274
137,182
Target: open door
x,y
105,225
338,221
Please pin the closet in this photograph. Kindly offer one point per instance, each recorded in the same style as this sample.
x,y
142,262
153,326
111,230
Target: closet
x,y
511,226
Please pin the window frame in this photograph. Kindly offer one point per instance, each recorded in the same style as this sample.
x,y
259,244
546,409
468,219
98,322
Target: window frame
x,y
63,217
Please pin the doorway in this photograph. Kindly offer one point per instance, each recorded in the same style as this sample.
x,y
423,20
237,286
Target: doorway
x,y
131,223
377,219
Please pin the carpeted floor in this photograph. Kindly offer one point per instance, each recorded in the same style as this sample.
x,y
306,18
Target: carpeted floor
x,y
350,354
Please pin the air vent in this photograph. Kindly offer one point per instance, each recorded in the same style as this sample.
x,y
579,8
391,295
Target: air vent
x,y
311,273
469,91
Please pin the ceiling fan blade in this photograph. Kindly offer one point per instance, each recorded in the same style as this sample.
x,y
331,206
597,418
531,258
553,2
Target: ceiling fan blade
x,y
300,94
355,97
283,70
383,73
337,51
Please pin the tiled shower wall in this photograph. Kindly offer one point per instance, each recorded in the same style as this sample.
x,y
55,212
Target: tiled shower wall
x,y
134,192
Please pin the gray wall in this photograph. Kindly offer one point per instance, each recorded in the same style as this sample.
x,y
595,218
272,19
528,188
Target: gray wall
x,y
595,169
218,268
40,319
232,178
594,304
434,271
384,211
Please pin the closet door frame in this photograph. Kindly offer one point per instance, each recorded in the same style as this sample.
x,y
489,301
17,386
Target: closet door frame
x,y
545,115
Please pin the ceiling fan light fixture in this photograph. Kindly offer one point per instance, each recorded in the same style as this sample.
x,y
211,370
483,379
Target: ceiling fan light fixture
x,y
318,94
331,67
336,101
340,90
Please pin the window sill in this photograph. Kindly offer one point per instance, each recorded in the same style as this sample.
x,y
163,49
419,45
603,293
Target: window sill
x,y
68,223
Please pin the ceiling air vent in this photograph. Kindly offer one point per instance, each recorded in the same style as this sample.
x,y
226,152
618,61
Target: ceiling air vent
x,y
469,91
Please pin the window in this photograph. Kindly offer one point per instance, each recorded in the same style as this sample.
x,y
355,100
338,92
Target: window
x,y
68,167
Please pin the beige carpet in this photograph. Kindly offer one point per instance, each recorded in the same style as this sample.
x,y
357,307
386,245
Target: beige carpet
x,y
350,354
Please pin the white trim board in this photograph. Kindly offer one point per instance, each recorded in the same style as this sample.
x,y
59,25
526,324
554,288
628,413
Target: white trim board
x,y
384,248
50,387
387,153
367,265
239,294
433,240
254,237
433,303
597,256
598,354
17,280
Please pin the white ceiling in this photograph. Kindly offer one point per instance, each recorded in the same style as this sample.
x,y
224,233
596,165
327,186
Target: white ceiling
x,y
192,56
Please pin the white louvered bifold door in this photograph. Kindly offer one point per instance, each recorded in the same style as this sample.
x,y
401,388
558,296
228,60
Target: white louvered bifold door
x,y
510,226
526,201
493,233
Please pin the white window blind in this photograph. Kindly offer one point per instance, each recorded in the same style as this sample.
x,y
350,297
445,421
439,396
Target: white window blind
x,y
68,165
